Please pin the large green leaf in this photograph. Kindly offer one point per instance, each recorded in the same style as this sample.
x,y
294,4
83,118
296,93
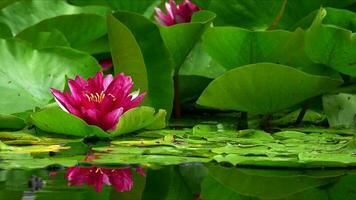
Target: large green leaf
x,y
32,12
5,31
339,17
261,15
138,50
145,7
46,39
212,189
88,28
233,47
267,184
199,63
331,45
26,74
172,185
11,122
263,88
181,38
340,110
54,120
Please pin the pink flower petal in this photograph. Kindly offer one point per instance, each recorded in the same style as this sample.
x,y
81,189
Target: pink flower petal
x,y
64,102
81,82
181,13
106,63
100,100
111,119
76,90
107,80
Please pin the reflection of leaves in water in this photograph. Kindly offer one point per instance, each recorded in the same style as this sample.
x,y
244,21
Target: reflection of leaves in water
x,y
276,183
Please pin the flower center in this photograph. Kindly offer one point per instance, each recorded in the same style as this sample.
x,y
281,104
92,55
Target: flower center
x,y
98,170
96,97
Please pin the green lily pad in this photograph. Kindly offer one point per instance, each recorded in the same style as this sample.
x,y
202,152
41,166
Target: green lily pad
x,y
233,47
42,10
138,50
199,63
261,15
88,28
340,110
55,120
266,184
331,45
46,39
263,88
11,122
146,8
189,34
5,31
28,73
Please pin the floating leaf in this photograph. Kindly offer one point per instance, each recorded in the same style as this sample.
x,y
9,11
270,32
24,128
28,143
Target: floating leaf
x,y
55,120
11,122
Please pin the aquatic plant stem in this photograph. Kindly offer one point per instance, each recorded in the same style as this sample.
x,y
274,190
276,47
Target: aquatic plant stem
x,y
242,121
279,16
302,112
176,102
266,122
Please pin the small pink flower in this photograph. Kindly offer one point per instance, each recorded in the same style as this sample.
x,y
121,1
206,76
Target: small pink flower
x,y
120,178
99,100
106,63
176,14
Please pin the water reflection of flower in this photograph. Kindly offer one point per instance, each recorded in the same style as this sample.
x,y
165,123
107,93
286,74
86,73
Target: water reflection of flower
x,y
120,178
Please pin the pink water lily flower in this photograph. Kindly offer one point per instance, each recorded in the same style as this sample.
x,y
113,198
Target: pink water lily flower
x,y
120,178
99,100
181,13
106,63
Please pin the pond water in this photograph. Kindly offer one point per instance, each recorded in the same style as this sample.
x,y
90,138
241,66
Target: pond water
x,y
206,161
185,181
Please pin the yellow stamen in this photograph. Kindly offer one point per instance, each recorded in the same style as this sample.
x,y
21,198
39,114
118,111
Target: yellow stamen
x,y
96,97
99,170
113,97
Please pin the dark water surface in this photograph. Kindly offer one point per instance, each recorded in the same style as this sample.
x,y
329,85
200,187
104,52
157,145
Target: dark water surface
x,y
185,181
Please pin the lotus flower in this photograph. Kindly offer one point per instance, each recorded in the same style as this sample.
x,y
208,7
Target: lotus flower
x,y
119,178
181,13
99,100
106,63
